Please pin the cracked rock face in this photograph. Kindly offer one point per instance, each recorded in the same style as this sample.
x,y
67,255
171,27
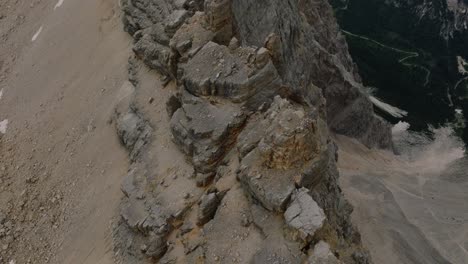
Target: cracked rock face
x,y
304,214
134,132
279,147
145,218
236,74
244,150
208,205
205,131
157,247
310,51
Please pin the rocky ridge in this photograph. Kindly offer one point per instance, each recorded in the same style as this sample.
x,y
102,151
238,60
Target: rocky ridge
x,y
242,168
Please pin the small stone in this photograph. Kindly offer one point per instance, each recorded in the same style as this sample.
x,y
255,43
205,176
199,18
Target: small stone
x,y
204,179
186,228
151,100
157,247
322,254
172,105
234,44
304,214
144,248
2,218
262,57
184,46
208,205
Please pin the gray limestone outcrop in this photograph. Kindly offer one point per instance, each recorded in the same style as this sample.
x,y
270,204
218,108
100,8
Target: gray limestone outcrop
x,y
310,51
208,205
304,214
236,74
281,149
205,131
134,132
321,254
253,88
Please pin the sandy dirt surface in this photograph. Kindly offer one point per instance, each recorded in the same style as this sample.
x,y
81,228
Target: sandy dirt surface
x,y
62,64
408,212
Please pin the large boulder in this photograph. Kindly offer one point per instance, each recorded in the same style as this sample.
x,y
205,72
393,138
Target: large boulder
x,y
208,205
134,132
280,149
205,130
140,14
233,74
192,36
144,217
304,215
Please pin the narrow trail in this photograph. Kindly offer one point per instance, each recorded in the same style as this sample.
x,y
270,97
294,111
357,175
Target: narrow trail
x,y
345,7
454,89
410,54
463,72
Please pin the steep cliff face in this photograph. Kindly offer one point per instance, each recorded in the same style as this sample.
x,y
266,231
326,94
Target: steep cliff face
x,y
242,168
311,53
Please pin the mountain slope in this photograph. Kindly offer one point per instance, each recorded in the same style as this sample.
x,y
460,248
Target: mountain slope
x,y
413,53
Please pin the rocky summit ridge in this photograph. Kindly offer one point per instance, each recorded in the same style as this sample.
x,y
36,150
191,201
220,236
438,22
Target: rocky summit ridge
x,y
254,89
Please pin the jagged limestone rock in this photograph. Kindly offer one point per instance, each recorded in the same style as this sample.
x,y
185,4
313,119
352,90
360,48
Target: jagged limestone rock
x,y
208,205
219,17
153,23
309,50
145,218
303,214
175,20
157,247
172,105
321,254
156,55
205,131
134,132
204,179
140,14
195,32
284,145
280,149
217,71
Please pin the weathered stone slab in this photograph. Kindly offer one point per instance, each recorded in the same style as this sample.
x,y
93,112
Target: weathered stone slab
x,y
217,71
205,131
280,149
304,214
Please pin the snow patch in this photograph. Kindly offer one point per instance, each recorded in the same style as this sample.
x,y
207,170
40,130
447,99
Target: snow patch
x,y
400,127
59,3
392,110
461,65
37,34
3,126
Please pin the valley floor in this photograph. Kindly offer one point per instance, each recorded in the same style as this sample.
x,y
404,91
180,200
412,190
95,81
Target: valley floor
x,y
407,212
